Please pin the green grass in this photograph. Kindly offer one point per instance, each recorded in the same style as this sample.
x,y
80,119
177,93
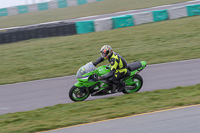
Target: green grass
x,y
64,115
159,42
96,8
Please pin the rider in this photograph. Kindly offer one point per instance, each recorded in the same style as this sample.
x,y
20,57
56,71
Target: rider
x,y
118,66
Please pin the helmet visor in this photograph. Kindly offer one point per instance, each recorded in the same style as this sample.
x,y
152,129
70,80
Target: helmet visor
x,y
103,54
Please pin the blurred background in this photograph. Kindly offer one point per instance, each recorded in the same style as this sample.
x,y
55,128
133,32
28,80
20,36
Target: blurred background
x,y
10,3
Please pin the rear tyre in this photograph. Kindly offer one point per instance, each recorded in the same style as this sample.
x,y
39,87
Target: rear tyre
x,y
137,83
76,95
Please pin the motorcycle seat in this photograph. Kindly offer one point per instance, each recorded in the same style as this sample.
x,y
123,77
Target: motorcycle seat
x,y
134,66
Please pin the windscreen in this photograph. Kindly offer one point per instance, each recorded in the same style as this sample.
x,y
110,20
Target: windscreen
x,y
89,67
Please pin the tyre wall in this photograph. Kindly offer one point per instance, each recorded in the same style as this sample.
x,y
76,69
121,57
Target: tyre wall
x,y
39,31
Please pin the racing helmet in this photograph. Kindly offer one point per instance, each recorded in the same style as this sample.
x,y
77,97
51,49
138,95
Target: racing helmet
x,y
106,51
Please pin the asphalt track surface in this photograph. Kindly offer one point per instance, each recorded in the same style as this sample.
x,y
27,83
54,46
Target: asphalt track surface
x,y
180,120
48,92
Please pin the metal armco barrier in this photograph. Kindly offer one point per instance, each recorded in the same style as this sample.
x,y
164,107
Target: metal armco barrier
x,y
40,31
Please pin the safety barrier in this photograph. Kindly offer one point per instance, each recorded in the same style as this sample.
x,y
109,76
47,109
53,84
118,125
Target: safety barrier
x,y
82,27
122,21
85,27
160,15
177,12
103,24
137,19
3,12
39,31
142,18
42,6
193,10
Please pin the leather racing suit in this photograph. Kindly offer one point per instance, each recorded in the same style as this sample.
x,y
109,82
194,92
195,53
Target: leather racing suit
x,y
118,69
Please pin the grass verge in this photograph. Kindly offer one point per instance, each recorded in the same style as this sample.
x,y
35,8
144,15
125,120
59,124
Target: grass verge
x,y
159,42
64,115
96,8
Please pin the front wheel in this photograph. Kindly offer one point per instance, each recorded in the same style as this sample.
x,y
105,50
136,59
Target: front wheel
x,y
136,84
76,95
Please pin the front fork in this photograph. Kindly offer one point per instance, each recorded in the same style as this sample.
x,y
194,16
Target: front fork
x,y
82,89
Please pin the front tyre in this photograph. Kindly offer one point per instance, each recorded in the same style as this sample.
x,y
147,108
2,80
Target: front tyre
x,y
136,83
76,95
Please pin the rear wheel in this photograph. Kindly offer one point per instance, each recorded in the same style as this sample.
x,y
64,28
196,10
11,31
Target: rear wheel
x,y
76,95
136,84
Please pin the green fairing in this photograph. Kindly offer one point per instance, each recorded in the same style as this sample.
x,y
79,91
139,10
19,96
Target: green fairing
x,y
90,73
102,70
144,63
133,72
78,84
103,85
85,83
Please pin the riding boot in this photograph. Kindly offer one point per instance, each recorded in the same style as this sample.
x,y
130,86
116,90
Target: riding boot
x,y
121,86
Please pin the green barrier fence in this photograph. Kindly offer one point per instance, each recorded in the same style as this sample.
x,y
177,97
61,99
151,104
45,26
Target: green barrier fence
x,y
3,12
193,10
43,6
85,27
22,9
62,3
99,0
160,15
122,21
81,2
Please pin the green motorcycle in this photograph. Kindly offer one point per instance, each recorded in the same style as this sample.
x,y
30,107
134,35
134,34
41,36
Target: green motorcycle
x,y
88,82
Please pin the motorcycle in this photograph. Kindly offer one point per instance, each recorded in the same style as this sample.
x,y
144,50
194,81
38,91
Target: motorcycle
x,y
88,82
